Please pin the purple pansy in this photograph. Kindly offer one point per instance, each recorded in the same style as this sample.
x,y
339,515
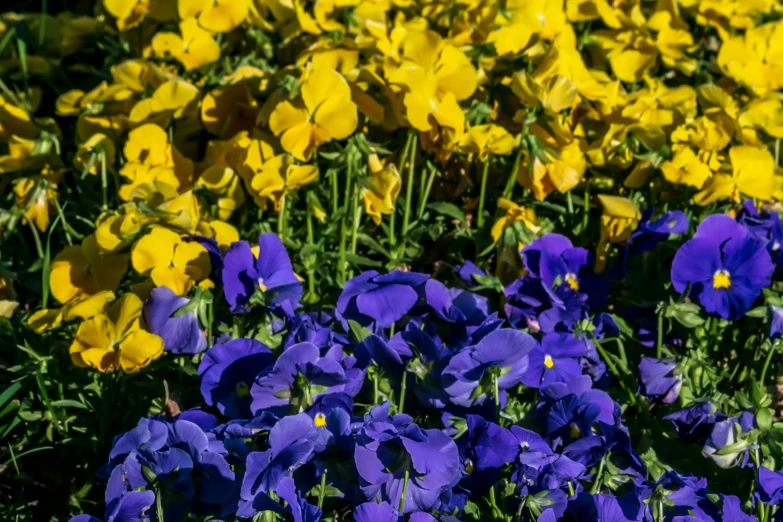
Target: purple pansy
x,y
725,265
272,274
380,299
175,320
298,376
554,359
764,226
658,381
729,432
485,448
770,486
228,371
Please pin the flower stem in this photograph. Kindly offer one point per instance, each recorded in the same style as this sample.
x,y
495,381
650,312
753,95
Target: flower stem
x,y
281,218
344,220
400,166
613,367
772,350
512,177
482,194
598,477
401,406
586,207
427,191
493,502
357,216
404,491
659,343
104,182
322,491
210,320
310,241
159,504
409,189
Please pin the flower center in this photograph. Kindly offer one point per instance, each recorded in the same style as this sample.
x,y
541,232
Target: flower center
x,y
468,466
261,284
548,362
721,279
319,420
572,280
243,390
575,432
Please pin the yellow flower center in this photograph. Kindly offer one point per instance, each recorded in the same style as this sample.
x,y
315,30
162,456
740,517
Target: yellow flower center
x,y
548,362
469,466
261,284
243,390
572,281
721,279
319,420
575,431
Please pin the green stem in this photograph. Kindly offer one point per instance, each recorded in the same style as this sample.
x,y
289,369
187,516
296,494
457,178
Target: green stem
x,y
281,217
37,237
772,350
613,367
586,207
659,343
335,203
66,227
344,220
322,491
210,321
357,216
310,241
598,477
570,202
401,407
159,504
375,385
104,181
512,177
427,191
409,189
493,502
482,194
400,166
404,491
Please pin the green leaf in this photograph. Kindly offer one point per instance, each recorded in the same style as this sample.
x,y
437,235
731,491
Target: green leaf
x,y
9,393
68,403
764,418
448,209
759,312
358,332
362,261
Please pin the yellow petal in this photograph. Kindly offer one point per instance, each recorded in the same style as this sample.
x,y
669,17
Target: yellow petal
x,y
338,116
156,249
300,141
87,306
125,315
139,349
45,320
322,84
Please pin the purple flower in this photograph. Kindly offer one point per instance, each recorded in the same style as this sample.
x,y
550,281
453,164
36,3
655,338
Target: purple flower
x,y
468,273
461,308
215,256
609,509
485,449
134,506
388,450
297,507
695,422
375,512
272,274
381,299
298,376
770,486
776,322
554,359
647,236
726,267
228,371
468,377
533,453
554,259
729,432
175,320
766,227
658,380
732,510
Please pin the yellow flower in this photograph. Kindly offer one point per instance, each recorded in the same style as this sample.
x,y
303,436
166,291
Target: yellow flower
x,y
169,261
323,113
225,183
116,339
686,168
224,234
618,221
81,269
765,114
487,139
217,16
88,154
436,76
631,52
384,187
82,306
753,174
36,195
513,214
546,18
279,176
754,58
8,302
129,13
231,109
554,94
15,121
193,47
560,173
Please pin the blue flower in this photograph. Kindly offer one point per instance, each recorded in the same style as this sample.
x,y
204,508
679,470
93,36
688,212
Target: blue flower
x,y
371,298
179,329
554,359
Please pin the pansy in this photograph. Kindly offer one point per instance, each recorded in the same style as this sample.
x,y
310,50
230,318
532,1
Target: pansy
x,y
497,362
658,380
170,261
280,176
752,174
729,443
724,266
175,320
484,450
296,506
770,486
193,47
487,139
381,190
115,339
554,359
81,269
324,113
765,226
269,272
381,299
297,377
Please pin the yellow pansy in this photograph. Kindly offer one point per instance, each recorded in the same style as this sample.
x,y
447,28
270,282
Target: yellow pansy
x,y
169,261
94,152
753,174
115,339
82,306
513,214
436,76
324,112
231,109
618,221
8,302
36,195
384,187
487,139
553,94
561,173
217,16
280,176
631,52
15,121
765,114
194,47
224,183
82,269
223,233
129,13
686,168
754,59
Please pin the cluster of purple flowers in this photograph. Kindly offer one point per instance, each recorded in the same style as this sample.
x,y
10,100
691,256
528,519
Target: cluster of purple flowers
x,y
443,370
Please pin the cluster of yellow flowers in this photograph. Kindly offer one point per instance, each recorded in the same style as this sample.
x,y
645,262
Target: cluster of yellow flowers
x,y
217,100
